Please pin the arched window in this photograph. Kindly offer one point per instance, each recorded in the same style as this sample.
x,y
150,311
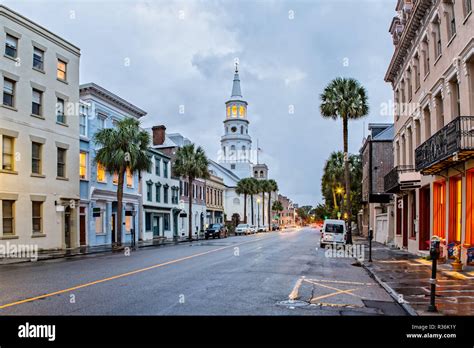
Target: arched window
x,y
232,148
242,111
236,201
261,173
228,111
241,129
234,111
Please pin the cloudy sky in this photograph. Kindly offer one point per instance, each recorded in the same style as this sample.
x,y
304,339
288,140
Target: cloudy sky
x,y
163,55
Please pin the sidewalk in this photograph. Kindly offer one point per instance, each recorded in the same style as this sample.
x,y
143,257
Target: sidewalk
x,y
88,250
406,277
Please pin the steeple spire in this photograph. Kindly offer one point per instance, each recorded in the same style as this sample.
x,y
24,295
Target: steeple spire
x,y
236,92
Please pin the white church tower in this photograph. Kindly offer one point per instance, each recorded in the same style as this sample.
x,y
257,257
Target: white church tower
x,y
236,143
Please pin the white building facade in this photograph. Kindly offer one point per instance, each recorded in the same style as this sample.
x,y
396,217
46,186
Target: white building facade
x,y
39,135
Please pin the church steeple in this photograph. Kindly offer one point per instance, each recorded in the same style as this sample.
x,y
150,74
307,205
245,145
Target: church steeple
x,y
236,91
236,143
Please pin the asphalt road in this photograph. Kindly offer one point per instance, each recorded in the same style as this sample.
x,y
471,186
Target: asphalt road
x,y
276,273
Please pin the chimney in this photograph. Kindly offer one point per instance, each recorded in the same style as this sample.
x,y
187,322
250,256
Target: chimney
x,y
159,133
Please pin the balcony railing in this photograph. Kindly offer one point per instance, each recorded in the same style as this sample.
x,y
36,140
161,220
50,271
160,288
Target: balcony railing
x,y
451,144
402,178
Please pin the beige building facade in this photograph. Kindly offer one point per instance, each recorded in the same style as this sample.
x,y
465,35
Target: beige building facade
x,y
39,135
432,76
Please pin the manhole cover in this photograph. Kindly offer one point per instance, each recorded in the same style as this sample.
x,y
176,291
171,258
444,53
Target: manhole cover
x,y
293,303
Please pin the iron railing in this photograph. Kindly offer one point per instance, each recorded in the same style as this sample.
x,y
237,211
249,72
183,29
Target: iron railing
x,y
449,142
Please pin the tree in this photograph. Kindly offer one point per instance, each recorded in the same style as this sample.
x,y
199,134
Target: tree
x,y
345,99
244,188
264,186
272,187
253,190
304,212
192,163
332,183
122,148
277,206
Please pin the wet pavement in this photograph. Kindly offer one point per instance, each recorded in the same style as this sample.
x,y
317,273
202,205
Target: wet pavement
x,y
408,276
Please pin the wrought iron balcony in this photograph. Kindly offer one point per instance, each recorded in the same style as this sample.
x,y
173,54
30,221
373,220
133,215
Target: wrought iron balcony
x,y
450,145
402,178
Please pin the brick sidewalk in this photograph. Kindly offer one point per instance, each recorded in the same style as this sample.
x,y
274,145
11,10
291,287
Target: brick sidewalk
x,y
407,275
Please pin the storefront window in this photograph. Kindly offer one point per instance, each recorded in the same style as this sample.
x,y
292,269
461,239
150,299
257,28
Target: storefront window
x,y
439,209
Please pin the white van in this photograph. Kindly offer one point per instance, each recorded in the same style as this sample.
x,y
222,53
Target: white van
x,y
333,232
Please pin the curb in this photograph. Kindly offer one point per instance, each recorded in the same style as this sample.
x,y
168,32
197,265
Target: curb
x,y
395,295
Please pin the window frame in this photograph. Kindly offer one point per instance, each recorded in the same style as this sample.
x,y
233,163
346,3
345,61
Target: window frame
x,y
38,159
39,104
14,48
40,217
61,164
12,94
61,72
11,155
12,217
40,67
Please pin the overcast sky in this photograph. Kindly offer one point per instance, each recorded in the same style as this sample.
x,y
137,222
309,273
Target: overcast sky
x,y
161,55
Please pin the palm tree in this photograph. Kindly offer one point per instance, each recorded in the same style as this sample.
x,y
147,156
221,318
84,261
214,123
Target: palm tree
x,y
253,190
192,163
243,188
264,187
345,98
333,176
272,187
122,148
277,206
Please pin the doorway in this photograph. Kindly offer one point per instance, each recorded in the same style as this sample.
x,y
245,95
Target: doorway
x,y
405,221
425,204
156,226
82,226
114,230
67,227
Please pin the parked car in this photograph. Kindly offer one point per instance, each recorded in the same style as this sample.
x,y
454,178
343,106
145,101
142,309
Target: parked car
x,y
333,232
253,229
242,229
275,227
216,231
262,228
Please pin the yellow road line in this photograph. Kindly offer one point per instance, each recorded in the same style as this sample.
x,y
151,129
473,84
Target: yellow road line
x,y
333,294
333,288
123,275
294,294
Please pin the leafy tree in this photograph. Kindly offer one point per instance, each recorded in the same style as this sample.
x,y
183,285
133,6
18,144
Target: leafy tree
x,y
345,99
192,163
122,148
272,187
277,206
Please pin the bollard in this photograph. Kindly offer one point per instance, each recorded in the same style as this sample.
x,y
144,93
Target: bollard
x,y
371,236
434,254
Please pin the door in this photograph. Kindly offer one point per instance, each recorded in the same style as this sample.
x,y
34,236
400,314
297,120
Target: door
x,y
82,226
67,227
156,226
114,239
424,233
175,225
405,221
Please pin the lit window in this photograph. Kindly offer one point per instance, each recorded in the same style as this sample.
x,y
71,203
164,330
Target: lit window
x,y
83,165
38,58
242,111
37,213
7,153
36,158
128,223
228,111
61,70
11,45
234,110
100,172
129,178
